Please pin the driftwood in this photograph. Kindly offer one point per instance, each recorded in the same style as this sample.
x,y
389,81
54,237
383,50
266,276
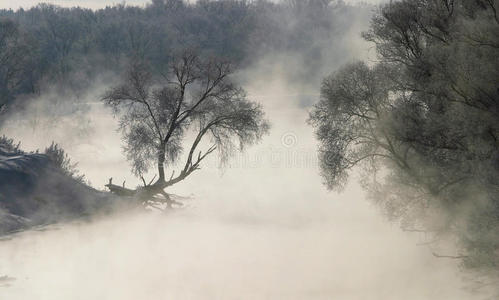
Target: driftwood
x,y
119,190
148,195
154,193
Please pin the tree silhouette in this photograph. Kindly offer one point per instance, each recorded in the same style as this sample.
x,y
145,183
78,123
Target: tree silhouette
x,y
193,95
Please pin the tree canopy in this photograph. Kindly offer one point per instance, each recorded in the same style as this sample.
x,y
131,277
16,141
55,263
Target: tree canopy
x,y
193,95
423,121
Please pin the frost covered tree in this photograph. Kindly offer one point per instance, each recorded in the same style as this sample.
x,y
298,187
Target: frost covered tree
x,y
423,121
194,95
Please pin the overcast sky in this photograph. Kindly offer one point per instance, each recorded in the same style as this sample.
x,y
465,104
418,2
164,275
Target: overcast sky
x,y
15,4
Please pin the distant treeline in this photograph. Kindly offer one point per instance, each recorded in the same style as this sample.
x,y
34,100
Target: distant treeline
x,y
59,46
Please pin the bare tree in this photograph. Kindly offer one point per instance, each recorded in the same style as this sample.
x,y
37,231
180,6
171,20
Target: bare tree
x,y
193,95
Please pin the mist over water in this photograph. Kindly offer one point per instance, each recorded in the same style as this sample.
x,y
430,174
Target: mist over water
x,y
264,228
196,256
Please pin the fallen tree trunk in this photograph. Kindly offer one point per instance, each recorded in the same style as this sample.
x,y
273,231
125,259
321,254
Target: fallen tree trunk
x,y
118,190
146,195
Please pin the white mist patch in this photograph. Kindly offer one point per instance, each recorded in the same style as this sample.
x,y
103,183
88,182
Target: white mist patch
x,y
188,255
266,229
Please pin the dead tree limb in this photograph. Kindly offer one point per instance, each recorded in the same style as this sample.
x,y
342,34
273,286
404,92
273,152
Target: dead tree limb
x,y
449,256
118,190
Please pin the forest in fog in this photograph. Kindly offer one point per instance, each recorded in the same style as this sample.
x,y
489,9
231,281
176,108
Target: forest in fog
x,y
48,45
394,103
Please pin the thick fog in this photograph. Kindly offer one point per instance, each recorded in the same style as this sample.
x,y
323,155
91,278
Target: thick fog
x,y
262,227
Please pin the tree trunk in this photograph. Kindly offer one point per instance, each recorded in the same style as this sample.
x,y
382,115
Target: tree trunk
x,y
161,163
145,194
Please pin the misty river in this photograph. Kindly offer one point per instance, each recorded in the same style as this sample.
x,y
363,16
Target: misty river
x,y
263,228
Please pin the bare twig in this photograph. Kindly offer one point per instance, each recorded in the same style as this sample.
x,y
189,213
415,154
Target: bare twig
x,y
150,182
449,256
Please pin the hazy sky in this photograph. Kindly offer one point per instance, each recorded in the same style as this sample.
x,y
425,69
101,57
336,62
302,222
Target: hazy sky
x,y
15,4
